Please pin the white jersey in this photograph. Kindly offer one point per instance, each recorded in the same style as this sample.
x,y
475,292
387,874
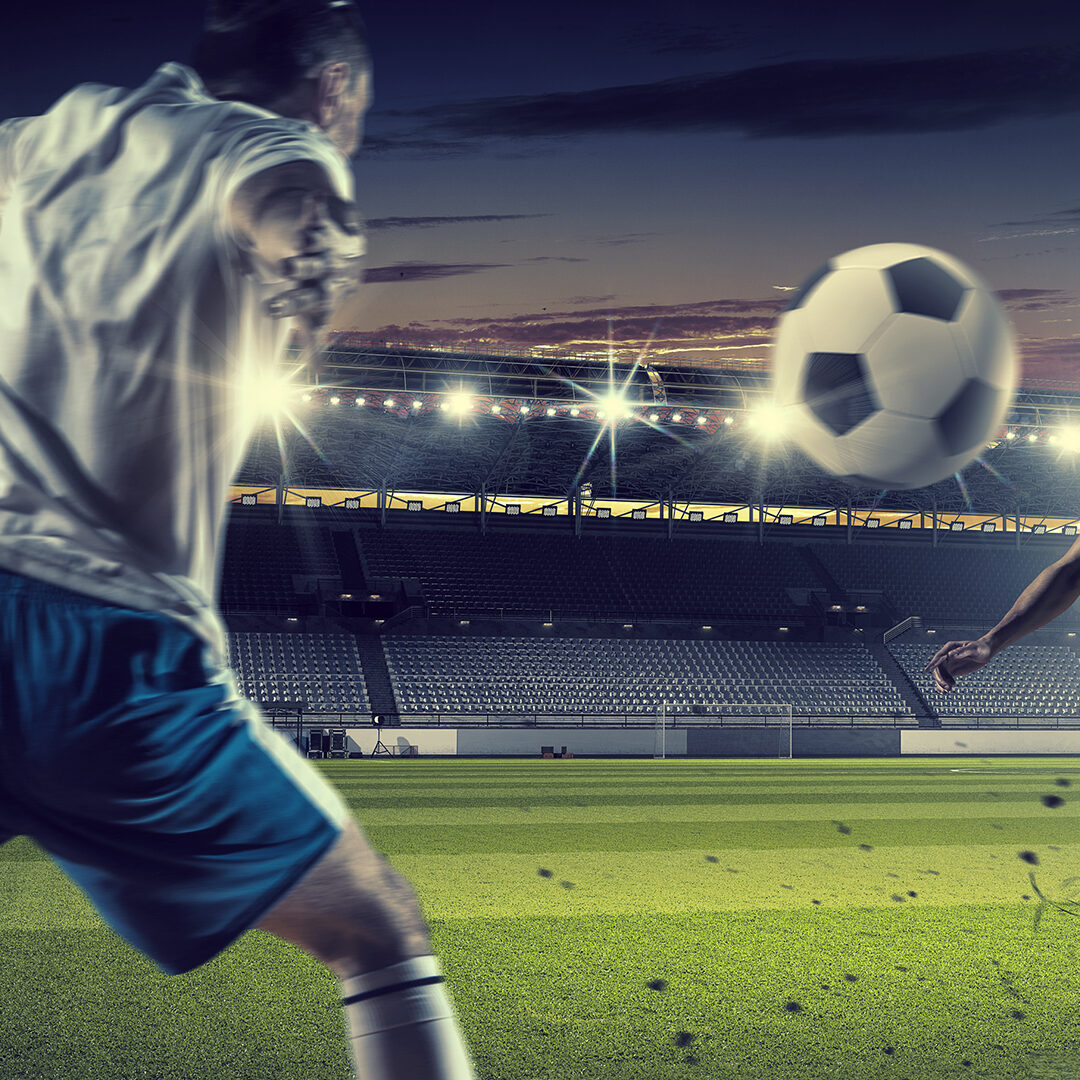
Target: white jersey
x,y
127,334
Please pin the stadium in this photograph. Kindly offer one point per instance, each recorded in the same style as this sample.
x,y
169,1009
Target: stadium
x,y
634,694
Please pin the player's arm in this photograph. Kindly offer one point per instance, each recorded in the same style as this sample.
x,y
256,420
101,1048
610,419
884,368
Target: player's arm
x,y
1055,590
294,230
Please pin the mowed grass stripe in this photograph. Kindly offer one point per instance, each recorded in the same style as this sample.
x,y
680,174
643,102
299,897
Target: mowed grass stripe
x,y
567,884
509,795
743,809
448,839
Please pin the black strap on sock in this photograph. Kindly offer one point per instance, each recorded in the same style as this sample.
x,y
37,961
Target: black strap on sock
x,y
352,999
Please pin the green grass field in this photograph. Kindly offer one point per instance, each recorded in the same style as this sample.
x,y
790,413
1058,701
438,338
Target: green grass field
x,y
618,919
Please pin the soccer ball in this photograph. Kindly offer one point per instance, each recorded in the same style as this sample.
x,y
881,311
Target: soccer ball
x,y
896,365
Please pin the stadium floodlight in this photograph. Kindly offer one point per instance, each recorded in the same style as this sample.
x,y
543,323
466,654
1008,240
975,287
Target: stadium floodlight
x,y
729,419
524,410
786,519
459,402
768,420
730,517
453,508
1039,530
638,515
389,403
550,411
989,526
706,628
513,508
873,523
1010,435
267,396
361,401
676,418
653,417
1069,530
703,419
603,512
1032,437
904,523
249,500
352,504
417,404
313,502
414,505
335,400
306,397
615,406
550,511
496,409
1070,438
575,411
956,526
697,515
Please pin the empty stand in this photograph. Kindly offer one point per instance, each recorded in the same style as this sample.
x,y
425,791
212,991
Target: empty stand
x,y
948,583
260,560
603,676
322,670
1036,682
524,573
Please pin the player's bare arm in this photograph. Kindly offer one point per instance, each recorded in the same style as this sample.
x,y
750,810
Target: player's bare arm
x,y
1054,591
294,230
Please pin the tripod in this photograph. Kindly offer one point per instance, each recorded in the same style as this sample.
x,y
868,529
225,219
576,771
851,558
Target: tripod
x,y
381,749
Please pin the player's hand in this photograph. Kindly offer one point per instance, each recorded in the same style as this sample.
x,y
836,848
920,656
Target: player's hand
x,y
956,658
323,269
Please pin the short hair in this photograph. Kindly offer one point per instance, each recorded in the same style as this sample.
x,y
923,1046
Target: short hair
x,y
260,52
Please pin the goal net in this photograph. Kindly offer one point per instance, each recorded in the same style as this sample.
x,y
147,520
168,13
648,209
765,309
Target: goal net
x,y
672,714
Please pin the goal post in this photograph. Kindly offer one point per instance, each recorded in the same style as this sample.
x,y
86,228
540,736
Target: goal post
x,y
725,714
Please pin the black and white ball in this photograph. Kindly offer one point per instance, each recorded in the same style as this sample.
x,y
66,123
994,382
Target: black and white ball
x,y
896,365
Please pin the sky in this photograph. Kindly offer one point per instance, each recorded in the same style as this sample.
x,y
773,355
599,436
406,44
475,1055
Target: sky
x,y
661,176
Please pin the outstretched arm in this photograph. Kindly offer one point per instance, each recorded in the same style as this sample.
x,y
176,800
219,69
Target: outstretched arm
x,y
1055,590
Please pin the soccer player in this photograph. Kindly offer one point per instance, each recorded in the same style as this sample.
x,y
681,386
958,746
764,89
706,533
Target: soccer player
x,y
156,244
1054,591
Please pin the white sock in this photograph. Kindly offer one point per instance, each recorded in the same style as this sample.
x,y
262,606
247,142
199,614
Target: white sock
x,y
402,1024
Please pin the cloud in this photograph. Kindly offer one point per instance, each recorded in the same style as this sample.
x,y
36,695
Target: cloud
x,y
626,238
1034,299
555,258
699,330
432,222
423,271
588,299
799,99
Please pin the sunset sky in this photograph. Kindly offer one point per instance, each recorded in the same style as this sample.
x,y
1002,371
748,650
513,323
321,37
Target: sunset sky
x,y
536,174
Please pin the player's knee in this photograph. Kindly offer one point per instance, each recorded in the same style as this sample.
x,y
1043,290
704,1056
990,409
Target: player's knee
x,y
354,911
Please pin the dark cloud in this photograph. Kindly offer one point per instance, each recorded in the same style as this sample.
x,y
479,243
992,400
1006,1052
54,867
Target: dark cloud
x,y
423,271
802,99
588,299
627,238
555,258
432,222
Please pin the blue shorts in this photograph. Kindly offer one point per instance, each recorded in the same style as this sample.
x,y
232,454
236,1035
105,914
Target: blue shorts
x,y
135,763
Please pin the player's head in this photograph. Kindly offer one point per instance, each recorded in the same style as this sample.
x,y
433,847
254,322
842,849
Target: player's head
x,y
301,58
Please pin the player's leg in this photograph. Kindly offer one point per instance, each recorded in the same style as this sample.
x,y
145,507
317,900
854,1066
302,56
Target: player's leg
x,y
361,918
131,758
